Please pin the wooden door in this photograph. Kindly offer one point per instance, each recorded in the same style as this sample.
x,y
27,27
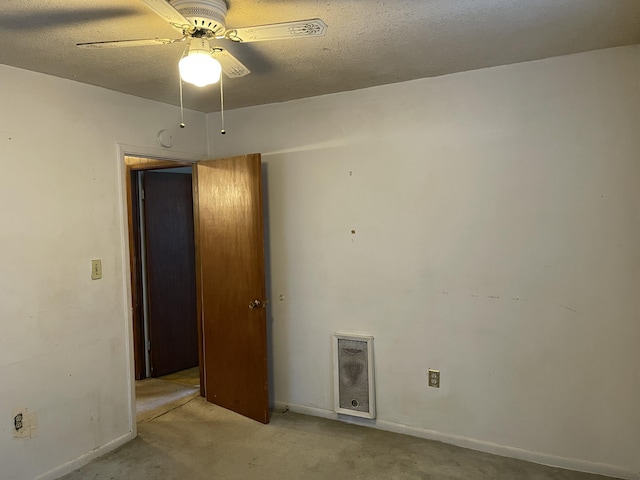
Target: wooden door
x,y
231,284
170,261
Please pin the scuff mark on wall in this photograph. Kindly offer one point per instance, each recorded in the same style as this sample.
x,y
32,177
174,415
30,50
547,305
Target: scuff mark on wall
x,y
567,307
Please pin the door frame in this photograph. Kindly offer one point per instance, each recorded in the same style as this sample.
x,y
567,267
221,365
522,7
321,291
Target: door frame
x,y
132,158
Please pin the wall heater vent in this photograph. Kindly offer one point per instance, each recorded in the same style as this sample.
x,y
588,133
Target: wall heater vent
x,y
354,392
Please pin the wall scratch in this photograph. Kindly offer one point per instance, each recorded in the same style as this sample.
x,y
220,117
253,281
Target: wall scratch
x,y
567,307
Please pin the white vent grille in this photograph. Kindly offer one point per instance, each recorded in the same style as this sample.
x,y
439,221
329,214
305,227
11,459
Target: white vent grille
x,y
353,375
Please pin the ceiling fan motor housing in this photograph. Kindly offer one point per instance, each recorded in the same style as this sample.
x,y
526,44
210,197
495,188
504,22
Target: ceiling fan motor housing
x,y
204,14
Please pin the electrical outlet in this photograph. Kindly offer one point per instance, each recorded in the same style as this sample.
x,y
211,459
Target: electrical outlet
x,y
25,423
17,421
434,378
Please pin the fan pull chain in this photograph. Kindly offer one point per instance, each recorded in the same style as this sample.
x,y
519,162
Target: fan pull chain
x,y
184,53
222,131
181,106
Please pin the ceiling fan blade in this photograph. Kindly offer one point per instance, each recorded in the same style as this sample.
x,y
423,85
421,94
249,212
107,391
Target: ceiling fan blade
x,y
278,31
37,20
170,14
130,43
231,66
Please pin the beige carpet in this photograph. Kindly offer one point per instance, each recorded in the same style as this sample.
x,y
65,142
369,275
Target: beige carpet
x,y
157,396
201,441
189,377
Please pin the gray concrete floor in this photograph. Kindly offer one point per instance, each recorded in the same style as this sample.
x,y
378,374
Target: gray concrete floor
x,y
198,440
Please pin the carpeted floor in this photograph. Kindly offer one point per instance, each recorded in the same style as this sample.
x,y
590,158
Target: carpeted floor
x,y
156,396
201,441
189,377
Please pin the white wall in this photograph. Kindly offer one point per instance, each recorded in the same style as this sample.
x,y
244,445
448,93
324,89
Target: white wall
x,y
64,338
497,237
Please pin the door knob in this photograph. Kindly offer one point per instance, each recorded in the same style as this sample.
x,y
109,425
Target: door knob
x,y
258,304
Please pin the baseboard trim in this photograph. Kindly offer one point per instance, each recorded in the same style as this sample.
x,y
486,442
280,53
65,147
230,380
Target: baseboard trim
x,y
86,458
471,443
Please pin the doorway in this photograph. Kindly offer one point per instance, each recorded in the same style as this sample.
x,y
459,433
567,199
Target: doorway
x,y
167,256
229,274
164,301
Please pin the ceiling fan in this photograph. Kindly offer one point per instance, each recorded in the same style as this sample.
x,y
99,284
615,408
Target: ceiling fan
x,y
201,21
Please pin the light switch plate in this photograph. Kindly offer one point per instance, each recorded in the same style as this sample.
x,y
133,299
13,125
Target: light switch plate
x,y
96,269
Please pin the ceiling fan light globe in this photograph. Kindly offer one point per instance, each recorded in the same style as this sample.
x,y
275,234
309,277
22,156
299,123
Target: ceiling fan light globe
x,y
200,69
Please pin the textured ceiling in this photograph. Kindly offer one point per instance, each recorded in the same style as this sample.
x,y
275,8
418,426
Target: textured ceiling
x,y
368,42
